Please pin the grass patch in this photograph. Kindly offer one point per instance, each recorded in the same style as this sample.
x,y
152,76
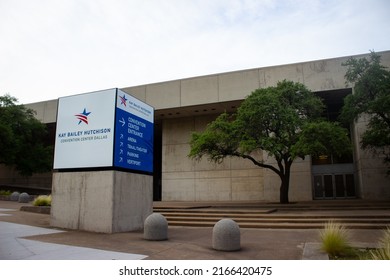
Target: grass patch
x,y
354,254
42,200
383,253
3,192
335,240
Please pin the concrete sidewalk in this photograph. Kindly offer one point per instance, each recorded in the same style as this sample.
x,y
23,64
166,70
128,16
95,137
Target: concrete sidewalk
x,y
184,243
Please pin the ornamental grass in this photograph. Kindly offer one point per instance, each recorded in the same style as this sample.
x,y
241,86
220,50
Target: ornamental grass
x,y
335,239
382,253
42,200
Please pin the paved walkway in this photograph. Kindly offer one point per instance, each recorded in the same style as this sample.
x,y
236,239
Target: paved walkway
x,y
25,235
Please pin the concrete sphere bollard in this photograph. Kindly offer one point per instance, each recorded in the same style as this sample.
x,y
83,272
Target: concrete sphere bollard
x,y
15,196
156,227
24,198
226,236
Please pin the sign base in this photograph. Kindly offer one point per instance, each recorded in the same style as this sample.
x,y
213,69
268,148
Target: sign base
x,y
101,201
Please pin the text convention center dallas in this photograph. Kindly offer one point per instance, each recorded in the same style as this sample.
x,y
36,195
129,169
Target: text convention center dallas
x,y
187,105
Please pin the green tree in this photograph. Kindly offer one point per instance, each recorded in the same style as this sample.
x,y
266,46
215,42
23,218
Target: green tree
x,y
22,139
371,97
283,121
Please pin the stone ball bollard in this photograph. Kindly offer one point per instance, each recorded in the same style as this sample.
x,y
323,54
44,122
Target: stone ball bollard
x,y
226,236
156,227
15,196
24,198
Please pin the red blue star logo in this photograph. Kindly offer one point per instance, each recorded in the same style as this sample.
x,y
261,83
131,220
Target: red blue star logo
x,y
83,117
123,99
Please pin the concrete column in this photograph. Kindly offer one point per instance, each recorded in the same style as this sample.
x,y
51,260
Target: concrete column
x,y
101,201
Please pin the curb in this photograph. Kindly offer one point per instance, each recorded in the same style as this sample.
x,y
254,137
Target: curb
x,y
36,209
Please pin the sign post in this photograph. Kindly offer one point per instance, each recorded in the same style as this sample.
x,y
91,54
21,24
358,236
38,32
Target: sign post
x,y
103,162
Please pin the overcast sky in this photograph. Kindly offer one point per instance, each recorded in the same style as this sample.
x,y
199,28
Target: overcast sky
x,y
55,48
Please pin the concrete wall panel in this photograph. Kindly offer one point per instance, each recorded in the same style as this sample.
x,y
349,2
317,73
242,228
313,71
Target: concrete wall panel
x,y
46,111
300,186
96,202
252,188
201,90
133,201
178,131
213,189
66,201
324,74
138,92
270,76
238,85
186,179
175,158
271,186
178,189
163,95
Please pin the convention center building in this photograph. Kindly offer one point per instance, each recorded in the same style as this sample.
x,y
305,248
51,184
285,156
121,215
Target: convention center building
x,y
187,105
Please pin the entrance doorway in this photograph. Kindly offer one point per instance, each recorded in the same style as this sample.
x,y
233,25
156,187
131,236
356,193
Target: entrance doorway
x,y
333,186
332,175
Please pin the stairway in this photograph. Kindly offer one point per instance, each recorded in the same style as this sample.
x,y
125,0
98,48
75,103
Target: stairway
x,y
356,217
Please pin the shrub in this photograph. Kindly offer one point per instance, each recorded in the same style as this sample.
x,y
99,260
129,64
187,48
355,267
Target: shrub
x,y
42,200
335,239
386,237
383,253
7,193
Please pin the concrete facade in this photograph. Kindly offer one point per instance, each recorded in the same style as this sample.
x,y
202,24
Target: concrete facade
x,y
187,105
101,201
196,101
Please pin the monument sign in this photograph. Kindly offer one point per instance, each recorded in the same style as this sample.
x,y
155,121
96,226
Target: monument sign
x,y
103,161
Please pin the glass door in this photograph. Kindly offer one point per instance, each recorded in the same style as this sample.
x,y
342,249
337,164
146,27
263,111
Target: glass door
x,y
333,186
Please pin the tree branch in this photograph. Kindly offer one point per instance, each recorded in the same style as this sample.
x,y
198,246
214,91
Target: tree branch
x,y
260,164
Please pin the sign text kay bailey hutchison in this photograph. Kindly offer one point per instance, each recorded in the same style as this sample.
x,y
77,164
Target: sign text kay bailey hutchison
x,y
84,135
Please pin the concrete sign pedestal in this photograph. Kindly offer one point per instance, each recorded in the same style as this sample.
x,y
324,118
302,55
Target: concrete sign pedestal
x,y
101,201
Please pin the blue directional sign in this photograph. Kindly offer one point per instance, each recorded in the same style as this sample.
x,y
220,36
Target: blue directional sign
x,y
134,129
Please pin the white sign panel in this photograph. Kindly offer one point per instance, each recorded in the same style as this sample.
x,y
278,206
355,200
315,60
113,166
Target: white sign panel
x,y
85,130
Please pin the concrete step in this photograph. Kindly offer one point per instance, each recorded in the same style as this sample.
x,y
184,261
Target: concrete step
x,y
277,225
308,216
270,218
283,220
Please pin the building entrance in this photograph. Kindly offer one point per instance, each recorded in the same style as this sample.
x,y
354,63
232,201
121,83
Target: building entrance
x,y
333,186
331,181
333,176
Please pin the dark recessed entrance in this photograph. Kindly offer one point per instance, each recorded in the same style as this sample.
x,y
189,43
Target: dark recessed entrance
x,y
333,177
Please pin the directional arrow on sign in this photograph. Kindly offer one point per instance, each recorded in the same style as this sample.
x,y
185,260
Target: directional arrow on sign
x,y
122,121
120,151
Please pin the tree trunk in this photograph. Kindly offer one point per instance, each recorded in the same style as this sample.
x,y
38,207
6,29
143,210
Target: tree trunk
x,y
285,184
284,192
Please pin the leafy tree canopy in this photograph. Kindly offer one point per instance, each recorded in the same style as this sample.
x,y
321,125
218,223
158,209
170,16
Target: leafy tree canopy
x,y
371,97
283,121
22,139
